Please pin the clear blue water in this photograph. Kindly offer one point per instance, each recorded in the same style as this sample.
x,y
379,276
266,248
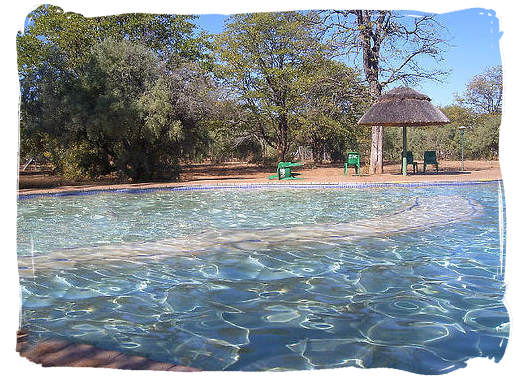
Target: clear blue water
x,y
109,269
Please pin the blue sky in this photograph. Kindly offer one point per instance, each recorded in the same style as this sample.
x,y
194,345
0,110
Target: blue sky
x,y
474,46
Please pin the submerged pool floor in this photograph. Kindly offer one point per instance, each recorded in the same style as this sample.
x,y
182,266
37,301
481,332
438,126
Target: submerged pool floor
x,y
271,279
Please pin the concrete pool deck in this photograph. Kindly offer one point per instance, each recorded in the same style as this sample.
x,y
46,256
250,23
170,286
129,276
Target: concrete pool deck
x,y
247,174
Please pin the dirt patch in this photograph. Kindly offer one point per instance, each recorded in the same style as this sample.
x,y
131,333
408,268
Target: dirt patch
x,y
242,173
448,170
45,180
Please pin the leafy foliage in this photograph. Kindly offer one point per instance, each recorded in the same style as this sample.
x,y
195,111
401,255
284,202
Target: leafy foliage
x,y
126,112
484,92
74,35
263,56
480,136
289,91
333,101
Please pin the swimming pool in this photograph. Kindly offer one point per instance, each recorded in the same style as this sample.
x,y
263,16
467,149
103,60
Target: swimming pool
x,y
271,278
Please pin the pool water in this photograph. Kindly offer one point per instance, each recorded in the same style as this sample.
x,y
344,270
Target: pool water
x,y
271,279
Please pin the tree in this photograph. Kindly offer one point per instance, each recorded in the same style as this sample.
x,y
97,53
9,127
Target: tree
x,y
152,115
126,112
483,140
481,137
262,56
484,92
392,48
333,101
111,93
46,114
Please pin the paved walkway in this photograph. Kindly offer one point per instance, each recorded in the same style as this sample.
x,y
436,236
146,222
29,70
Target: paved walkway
x,y
63,353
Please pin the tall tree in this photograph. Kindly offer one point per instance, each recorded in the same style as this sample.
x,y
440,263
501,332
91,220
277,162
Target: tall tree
x,y
333,101
96,92
127,112
393,48
484,91
262,56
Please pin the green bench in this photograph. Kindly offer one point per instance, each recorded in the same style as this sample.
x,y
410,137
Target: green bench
x,y
284,171
353,160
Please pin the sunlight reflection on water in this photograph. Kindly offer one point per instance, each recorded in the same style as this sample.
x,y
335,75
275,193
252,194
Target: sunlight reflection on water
x,y
274,287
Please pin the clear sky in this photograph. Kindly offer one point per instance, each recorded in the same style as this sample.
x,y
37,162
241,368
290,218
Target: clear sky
x,y
474,46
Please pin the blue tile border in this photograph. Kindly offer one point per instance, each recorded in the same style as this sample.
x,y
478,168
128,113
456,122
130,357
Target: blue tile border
x,y
85,192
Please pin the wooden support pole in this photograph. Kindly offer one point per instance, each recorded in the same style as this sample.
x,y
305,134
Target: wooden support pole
x,y
404,162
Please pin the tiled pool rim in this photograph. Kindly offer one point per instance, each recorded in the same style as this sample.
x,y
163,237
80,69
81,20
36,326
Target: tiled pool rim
x,y
310,185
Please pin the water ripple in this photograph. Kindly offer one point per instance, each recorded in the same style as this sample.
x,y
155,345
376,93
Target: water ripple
x,y
205,279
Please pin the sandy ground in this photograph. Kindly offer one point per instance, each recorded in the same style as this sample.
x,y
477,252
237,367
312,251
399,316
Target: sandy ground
x,y
241,173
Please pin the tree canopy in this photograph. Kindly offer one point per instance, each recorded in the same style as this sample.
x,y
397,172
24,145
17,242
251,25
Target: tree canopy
x,y
262,57
73,35
484,91
121,94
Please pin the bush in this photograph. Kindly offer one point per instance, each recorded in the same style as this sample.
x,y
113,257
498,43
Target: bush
x,y
82,161
480,137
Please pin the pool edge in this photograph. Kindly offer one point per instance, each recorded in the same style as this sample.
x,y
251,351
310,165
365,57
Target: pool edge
x,y
262,185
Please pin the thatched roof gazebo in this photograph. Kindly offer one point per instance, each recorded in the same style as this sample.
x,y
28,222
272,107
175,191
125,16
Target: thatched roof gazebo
x,y
403,107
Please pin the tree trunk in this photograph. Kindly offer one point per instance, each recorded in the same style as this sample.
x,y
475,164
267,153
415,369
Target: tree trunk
x,y
263,146
283,137
317,153
376,157
370,60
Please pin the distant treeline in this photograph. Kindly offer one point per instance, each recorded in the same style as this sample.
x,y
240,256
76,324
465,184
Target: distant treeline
x,y
137,95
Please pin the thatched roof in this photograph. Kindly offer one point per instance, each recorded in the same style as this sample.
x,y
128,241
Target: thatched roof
x,y
403,107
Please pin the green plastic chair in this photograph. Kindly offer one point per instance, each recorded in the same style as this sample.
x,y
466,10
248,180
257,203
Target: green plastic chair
x,y
284,171
353,160
410,160
430,158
